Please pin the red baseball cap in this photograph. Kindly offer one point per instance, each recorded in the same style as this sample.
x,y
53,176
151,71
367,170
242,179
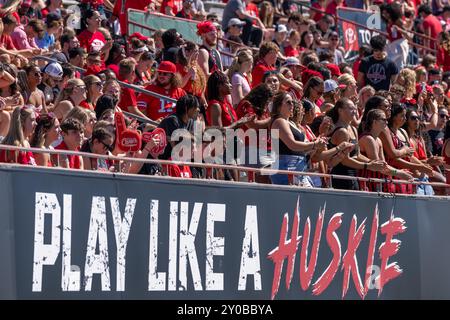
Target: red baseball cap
x,y
139,36
334,69
308,73
167,66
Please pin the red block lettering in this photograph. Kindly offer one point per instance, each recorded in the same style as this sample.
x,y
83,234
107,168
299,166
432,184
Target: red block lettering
x,y
349,260
306,273
389,248
287,249
333,241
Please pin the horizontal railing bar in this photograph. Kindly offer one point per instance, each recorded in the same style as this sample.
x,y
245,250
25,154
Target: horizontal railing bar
x,y
217,166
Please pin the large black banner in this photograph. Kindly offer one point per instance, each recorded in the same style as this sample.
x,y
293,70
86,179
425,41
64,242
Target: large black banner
x,y
355,35
75,235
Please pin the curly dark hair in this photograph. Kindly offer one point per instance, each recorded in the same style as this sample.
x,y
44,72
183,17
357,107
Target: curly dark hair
x,y
215,81
259,96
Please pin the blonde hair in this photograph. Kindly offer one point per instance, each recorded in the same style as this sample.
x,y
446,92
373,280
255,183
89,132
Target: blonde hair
x,y
409,76
89,81
68,90
15,136
241,57
346,79
266,13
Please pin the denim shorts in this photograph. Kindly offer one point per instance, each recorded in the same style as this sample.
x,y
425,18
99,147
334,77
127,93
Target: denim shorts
x,y
291,163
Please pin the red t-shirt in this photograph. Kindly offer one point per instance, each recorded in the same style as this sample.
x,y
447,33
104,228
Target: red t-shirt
x,y
178,171
393,33
127,98
290,51
432,23
176,6
258,72
316,15
356,67
91,41
6,42
252,9
332,8
228,115
156,108
74,161
121,12
7,156
443,59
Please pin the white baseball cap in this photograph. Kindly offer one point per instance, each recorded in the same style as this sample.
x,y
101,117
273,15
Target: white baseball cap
x,y
291,61
54,70
280,28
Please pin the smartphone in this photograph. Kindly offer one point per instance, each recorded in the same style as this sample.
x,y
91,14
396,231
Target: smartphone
x,y
424,87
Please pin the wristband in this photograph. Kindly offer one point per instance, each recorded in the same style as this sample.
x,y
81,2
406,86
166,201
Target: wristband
x,y
365,166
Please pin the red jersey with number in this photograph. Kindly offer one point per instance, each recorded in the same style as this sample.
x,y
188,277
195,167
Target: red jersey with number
x,y
156,108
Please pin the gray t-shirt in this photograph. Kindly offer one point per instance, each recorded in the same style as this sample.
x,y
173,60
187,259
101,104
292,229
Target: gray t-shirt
x,y
230,11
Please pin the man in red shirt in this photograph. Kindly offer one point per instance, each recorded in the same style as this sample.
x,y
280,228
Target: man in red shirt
x,y
168,84
268,54
333,5
72,133
121,7
171,7
431,26
128,101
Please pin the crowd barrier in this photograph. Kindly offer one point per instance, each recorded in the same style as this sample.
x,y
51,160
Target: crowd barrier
x,y
89,235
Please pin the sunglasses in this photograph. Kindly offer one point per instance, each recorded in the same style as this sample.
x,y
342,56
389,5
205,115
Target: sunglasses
x,y
38,74
414,118
107,146
443,116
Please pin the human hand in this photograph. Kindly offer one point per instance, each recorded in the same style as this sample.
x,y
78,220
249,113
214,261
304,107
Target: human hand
x,y
377,165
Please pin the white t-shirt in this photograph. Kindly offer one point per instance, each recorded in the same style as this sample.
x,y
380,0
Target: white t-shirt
x,y
239,80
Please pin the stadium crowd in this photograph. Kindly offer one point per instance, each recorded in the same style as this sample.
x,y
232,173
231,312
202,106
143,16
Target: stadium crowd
x,y
261,66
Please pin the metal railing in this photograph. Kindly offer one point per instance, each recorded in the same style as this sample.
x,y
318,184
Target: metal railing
x,y
121,162
121,83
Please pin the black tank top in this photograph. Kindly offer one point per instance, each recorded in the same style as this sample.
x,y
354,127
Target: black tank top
x,y
214,61
298,136
343,170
